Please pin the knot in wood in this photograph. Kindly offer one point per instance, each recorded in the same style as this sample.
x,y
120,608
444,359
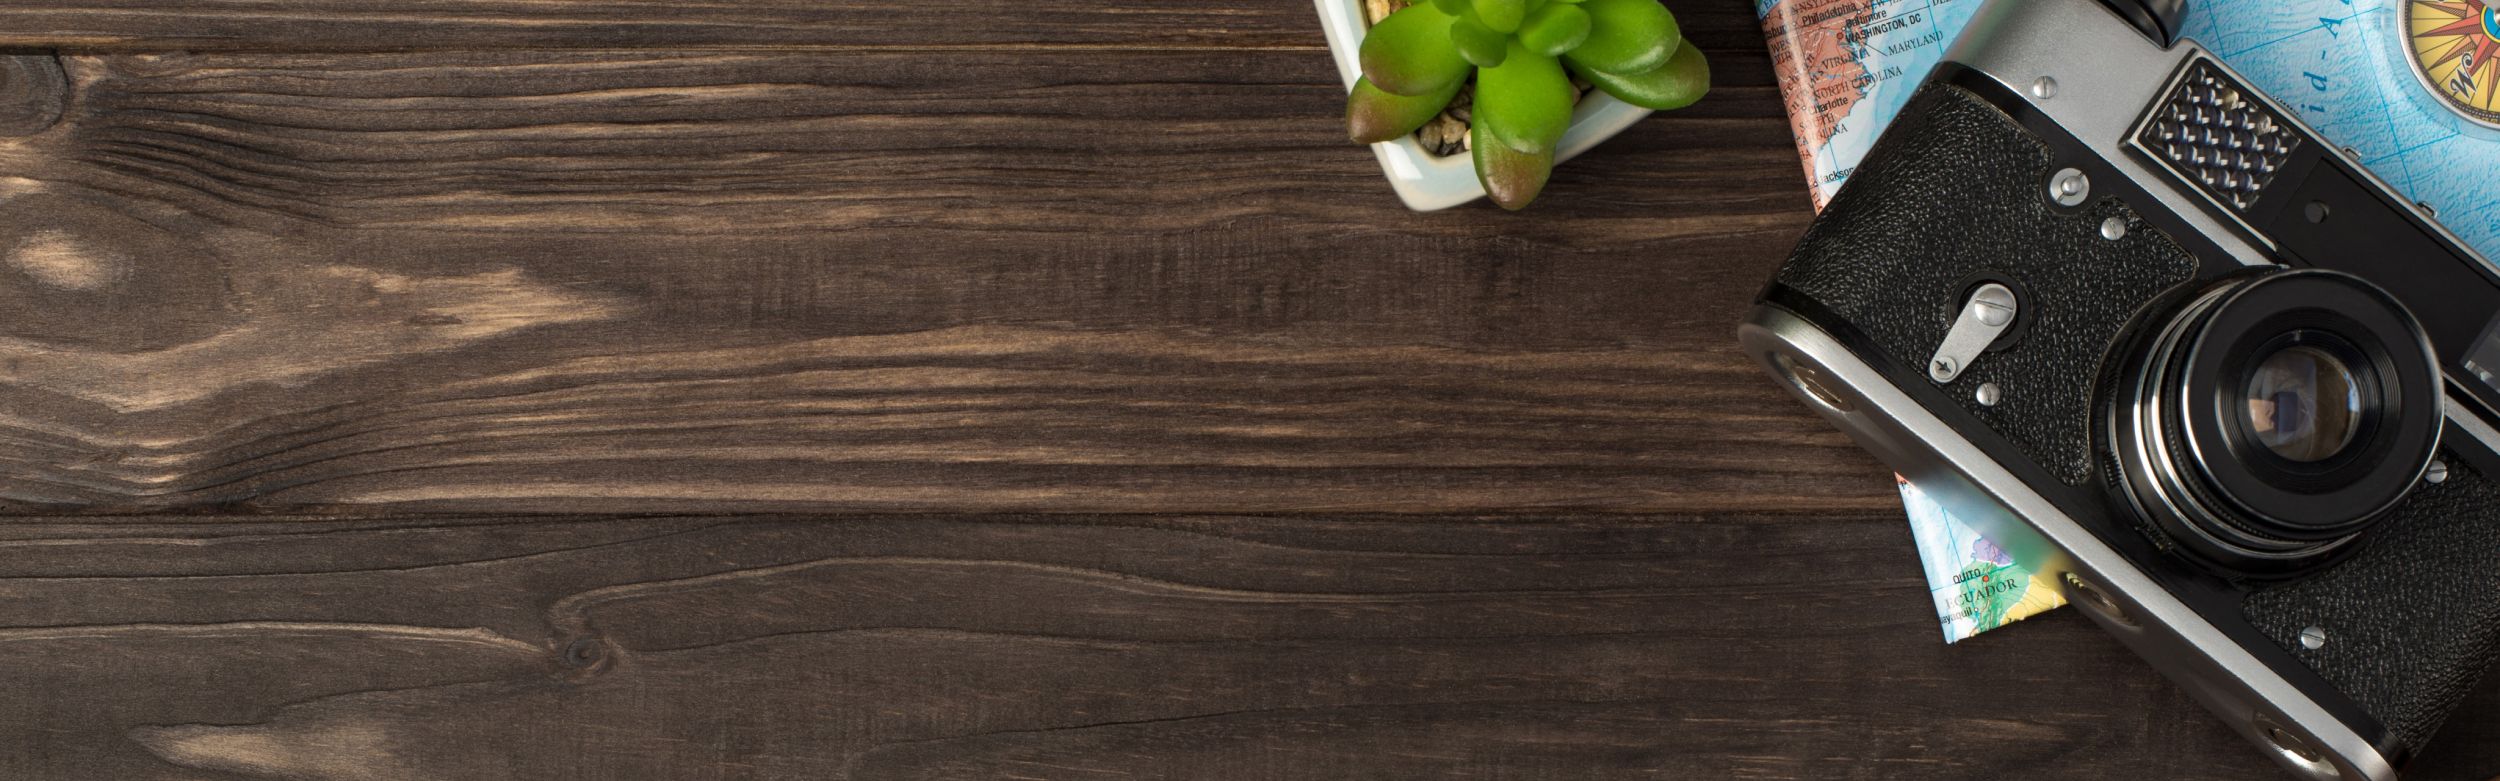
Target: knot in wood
x,y
33,93
585,654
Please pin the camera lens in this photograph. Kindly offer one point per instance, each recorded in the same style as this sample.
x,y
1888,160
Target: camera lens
x,y
2270,421
2303,403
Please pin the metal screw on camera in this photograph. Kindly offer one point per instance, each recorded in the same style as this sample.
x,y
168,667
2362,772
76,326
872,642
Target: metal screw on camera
x,y
1983,318
2070,187
2436,474
1990,394
2313,638
2114,228
2045,88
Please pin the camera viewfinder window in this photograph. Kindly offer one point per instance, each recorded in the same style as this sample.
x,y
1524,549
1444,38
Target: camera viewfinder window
x,y
2483,361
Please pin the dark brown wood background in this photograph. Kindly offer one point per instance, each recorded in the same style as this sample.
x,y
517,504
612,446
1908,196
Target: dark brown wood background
x,y
627,389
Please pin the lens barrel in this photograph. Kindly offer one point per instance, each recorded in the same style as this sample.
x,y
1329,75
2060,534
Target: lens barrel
x,y
2274,418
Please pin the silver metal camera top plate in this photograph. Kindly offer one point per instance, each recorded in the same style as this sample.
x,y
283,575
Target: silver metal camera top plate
x,y
2103,98
2099,97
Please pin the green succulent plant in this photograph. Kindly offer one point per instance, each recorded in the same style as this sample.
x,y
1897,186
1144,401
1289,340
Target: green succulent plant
x,y
1522,55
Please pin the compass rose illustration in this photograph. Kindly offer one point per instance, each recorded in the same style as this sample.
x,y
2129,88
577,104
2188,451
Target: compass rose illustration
x,y
2455,46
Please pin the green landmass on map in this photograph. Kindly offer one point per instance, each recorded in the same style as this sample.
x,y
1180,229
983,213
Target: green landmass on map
x,y
1989,591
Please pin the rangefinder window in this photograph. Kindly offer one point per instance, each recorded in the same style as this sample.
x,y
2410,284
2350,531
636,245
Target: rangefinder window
x,y
2484,362
2217,135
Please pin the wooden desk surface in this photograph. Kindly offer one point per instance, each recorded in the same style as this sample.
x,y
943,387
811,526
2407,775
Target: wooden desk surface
x,y
624,389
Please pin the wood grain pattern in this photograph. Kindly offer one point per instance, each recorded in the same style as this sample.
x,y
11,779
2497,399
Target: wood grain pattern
x,y
598,282
1144,647
778,25
929,390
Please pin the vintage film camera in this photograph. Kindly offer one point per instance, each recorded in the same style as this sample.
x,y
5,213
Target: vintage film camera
x,y
2231,391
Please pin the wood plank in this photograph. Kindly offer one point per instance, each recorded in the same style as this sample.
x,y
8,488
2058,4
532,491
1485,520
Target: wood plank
x,y
1142,281
1155,647
1047,259
930,26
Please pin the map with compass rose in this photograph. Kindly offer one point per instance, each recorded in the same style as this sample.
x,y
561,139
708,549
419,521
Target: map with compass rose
x,y
2410,87
2454,44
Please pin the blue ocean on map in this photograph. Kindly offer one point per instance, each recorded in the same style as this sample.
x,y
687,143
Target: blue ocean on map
x,y
2341,65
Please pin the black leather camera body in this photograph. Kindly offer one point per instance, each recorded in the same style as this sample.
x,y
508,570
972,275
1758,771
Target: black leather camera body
x,y
2233,392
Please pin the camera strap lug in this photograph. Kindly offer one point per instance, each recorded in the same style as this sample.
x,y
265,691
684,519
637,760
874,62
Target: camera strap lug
x,y
1984,317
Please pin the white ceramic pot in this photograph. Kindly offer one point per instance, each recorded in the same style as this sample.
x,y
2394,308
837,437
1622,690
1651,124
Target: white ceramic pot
x,y
1428,183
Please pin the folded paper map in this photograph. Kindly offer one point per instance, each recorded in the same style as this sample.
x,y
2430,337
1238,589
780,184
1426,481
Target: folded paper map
x,y
1976,586
1848,66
